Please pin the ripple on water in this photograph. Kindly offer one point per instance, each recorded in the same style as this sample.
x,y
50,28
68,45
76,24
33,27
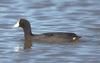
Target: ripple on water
x,y
79,16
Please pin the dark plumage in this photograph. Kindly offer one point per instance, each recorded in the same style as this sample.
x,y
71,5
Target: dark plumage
x,y
45,37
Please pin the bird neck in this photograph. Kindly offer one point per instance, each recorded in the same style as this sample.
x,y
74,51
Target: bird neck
x,y
27,37
28,42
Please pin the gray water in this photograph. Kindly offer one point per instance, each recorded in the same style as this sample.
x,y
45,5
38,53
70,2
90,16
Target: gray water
x,y
79,16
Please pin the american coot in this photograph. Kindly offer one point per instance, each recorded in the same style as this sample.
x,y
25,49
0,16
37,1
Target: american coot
x,y
45,37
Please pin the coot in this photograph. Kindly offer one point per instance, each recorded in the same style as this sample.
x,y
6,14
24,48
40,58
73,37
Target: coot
x,y
45,37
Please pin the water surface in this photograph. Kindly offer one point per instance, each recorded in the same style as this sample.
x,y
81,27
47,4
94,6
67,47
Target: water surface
x,y
79,16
